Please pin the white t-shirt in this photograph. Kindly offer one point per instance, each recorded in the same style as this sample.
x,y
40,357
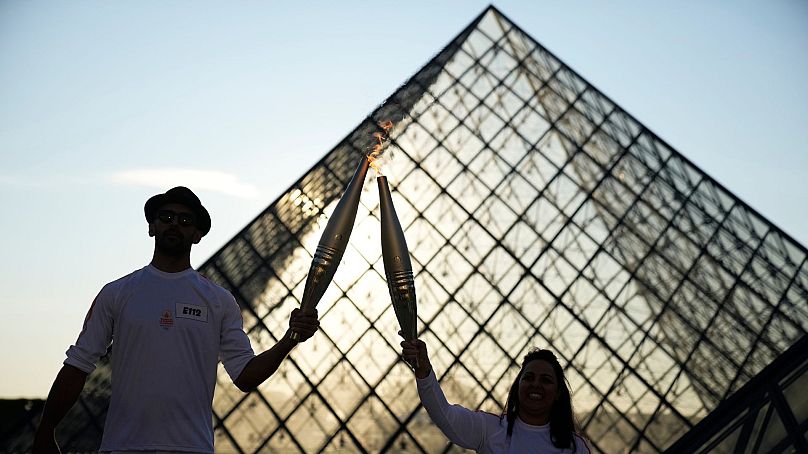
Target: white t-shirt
x,y
168,332
485,432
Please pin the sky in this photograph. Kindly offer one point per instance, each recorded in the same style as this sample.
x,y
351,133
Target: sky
x,y
103,104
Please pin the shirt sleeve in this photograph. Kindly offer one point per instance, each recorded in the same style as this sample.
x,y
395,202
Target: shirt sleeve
x,y
96,333
235,350
461,426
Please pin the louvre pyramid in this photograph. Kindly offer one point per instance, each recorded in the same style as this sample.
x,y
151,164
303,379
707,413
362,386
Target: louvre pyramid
x,y
539,214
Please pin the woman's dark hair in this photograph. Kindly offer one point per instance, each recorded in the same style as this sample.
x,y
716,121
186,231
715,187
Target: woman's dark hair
x,y
563,424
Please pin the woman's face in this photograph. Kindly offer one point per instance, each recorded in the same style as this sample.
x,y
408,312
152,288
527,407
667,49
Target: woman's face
x,y
538,391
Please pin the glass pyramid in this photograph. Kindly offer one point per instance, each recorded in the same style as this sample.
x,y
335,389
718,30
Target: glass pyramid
x,y
539,214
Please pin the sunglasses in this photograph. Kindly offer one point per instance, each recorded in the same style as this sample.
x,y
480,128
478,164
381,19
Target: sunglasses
x,y
183,219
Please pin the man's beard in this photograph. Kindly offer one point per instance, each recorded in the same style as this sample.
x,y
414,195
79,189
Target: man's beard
x,y
178,246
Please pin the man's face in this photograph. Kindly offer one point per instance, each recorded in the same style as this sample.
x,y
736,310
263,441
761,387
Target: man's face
x,y
174,230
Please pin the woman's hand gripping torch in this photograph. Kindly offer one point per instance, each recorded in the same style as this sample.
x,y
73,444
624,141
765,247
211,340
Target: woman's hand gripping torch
x,y
333,243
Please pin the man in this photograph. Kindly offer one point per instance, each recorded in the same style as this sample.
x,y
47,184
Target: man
x,y
169,327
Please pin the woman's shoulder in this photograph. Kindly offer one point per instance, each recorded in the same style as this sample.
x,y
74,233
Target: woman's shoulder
x,y
581,444
489,420
492,422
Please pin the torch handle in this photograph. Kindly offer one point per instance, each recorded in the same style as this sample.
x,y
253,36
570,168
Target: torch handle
x,y
402,293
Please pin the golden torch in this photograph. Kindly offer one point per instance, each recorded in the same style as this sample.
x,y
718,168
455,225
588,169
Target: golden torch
x,y
333,242
397,266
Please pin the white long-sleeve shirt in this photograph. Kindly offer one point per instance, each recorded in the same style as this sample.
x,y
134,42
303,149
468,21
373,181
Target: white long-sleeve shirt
x,y
484,432
168,332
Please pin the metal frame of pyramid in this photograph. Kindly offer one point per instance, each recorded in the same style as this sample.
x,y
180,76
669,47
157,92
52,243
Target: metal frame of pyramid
x,y
768,414
540,214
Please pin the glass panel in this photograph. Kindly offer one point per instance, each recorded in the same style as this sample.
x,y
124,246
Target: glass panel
x,y
727,445
794,388
772,433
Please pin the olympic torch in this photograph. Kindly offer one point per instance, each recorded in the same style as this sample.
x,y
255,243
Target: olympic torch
x,y
333,242
397,266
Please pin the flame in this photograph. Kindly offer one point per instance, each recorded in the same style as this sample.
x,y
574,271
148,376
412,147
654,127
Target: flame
x,y
376,150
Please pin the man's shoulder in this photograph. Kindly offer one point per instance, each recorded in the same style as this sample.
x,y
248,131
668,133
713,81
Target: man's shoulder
x,y
213,285
204,277
123,280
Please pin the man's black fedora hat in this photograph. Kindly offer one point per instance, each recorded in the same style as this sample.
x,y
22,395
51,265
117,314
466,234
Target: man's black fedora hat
x,y
183,196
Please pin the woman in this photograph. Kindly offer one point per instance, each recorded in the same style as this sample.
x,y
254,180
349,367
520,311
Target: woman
x,y
538,416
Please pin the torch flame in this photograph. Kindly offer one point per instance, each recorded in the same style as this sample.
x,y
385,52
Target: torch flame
x,y
376,150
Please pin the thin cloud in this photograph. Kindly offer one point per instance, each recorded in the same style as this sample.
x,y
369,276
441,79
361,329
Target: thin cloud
x,y
210,180
41,181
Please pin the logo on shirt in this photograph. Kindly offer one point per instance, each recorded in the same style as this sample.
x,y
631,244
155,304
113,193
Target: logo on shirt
x,y
166,321
193,312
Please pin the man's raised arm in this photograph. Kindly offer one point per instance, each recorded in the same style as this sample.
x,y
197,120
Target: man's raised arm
x,y
264,365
